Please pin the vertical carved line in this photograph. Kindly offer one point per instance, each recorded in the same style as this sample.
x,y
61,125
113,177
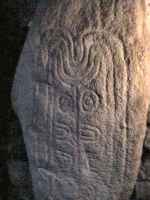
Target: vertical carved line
x,y
126,107
50,125
77,114
110,101
110,76
114,88
115,43
76,91
129,89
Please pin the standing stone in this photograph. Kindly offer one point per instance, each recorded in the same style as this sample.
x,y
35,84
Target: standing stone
x,y
81,92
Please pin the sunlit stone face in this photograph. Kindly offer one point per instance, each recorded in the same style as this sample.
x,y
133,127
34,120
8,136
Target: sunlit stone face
x,y
148,6
147,41
147,3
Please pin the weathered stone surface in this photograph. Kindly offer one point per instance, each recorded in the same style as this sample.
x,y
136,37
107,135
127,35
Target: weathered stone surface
x,y
81,92
147,139
143,190
143,182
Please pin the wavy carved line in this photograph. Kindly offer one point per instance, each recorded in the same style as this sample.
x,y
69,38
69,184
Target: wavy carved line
x,y
65,160
89,134
62,131
67,67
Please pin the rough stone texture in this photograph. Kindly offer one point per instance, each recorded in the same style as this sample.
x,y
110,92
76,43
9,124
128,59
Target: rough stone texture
x,y
16,16
143,182
81,93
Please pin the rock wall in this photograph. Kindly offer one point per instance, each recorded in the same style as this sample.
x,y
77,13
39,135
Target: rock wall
x,y
15,180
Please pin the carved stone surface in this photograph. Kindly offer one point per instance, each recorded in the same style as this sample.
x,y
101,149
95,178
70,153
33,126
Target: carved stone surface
x,y
81,92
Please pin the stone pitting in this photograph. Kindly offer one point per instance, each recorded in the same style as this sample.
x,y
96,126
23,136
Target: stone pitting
x,y
79,95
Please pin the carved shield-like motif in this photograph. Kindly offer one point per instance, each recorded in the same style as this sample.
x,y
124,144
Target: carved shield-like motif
x,y
81,114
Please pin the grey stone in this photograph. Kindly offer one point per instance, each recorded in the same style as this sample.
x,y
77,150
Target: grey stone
x,y
81,92
147,139
143,190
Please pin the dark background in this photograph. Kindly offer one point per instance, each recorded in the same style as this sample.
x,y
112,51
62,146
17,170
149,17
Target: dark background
x,y
15,182
15,179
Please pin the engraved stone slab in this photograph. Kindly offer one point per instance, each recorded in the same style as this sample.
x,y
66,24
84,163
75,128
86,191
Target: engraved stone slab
x,y
81,92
